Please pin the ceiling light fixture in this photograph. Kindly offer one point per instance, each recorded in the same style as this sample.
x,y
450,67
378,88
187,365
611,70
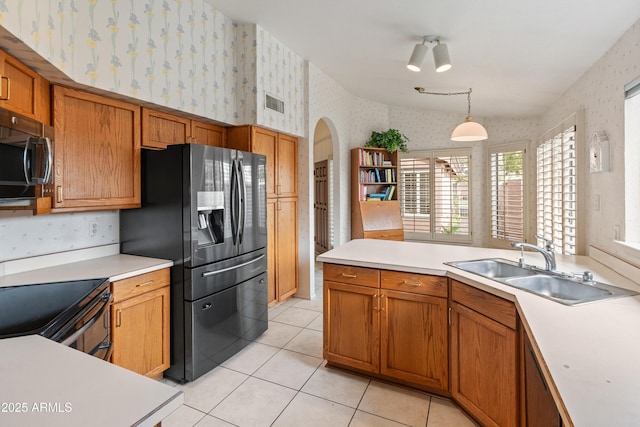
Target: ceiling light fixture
x,y
440,55
468,130
417,56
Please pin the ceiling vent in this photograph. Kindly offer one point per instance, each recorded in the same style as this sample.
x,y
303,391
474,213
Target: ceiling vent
x,y
273,103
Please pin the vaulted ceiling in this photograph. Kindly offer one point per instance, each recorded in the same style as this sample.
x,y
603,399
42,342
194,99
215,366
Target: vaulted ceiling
x,y
519,56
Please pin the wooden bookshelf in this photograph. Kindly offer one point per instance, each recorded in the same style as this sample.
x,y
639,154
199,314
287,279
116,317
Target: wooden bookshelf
x,y
375,210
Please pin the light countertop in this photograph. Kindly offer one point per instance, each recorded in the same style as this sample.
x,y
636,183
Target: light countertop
x,y
114,267
589,353
46,383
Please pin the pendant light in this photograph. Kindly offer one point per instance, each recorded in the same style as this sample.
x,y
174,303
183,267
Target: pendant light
x,y
468,130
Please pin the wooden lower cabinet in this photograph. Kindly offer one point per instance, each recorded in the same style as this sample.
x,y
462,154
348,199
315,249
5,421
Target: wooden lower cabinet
x,y
484,356
414,339
140,323
282,248
352,326
373,326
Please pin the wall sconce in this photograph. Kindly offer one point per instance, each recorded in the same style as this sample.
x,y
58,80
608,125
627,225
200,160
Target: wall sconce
x,y
467,130
440,55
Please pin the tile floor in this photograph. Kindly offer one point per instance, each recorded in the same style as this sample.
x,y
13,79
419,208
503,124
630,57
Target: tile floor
x,y
282,380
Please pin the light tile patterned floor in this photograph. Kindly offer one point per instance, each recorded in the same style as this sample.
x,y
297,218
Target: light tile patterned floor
x,y
282,380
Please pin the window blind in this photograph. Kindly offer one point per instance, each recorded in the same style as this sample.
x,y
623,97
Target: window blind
x,y
434,196
557,190
507,195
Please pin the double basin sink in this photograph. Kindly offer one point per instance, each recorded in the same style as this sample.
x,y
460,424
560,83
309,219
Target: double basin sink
x,y
563,288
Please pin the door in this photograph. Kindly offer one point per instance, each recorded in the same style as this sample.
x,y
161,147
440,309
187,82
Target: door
x,y
286,247
252,188
484,374
97,151
414,339
352,326
212,212
224,323
321,206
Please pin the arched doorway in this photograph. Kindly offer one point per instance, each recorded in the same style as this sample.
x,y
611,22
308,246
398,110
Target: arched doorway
x,y
323,187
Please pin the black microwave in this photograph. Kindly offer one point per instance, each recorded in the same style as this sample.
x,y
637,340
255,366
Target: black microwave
x,y
26,155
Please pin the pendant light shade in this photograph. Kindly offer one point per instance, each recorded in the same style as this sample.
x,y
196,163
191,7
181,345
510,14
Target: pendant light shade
x,y
441,57
417,56
468,130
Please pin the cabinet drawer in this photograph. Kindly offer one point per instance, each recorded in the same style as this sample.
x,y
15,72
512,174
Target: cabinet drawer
x,y
414,283
385,234
349,274
491,306
137,285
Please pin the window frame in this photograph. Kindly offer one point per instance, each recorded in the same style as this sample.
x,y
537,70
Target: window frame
x,y
574,120
527,218
433,236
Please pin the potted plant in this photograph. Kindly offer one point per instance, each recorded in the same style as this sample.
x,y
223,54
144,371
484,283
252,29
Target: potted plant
x,y
391,140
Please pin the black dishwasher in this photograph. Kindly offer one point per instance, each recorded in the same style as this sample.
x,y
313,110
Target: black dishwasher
x,y
74,313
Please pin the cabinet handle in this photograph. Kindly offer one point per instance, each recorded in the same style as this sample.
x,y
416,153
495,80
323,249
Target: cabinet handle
x,y
118,318
450,315
381,304
350,276
375,302
279,189
59,194
278,207
139,285
416,284
3,97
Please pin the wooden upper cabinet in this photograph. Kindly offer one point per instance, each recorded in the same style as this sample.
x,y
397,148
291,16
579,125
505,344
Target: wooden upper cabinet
x,y
161,129
22,90
208,134
281,152
97,152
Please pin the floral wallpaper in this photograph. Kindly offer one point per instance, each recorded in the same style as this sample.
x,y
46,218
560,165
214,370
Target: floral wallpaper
x,y
26,236
180,54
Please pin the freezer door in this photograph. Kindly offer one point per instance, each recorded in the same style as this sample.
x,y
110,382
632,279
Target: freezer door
x,y
215,277
253,185
224,323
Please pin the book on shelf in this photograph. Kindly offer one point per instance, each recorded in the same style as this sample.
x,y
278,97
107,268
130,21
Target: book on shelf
x,y
377,172
387,163
392,189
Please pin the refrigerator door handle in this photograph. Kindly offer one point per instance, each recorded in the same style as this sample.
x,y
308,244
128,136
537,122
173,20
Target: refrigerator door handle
x,y
243,200
234,195
222,270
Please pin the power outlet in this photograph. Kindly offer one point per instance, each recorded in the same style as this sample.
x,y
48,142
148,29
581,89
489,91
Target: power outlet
x,y
94,228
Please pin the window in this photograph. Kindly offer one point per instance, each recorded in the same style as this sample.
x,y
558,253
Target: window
x,y
557,187
434,195
632,160
507,194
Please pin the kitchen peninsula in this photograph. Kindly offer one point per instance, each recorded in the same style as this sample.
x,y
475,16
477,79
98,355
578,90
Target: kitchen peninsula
x,y
587,353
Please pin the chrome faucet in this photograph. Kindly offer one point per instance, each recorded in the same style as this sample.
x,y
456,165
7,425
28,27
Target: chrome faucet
x,y
548,252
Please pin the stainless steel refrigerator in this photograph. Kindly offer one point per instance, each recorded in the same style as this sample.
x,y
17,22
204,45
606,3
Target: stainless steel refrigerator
x,y
205,209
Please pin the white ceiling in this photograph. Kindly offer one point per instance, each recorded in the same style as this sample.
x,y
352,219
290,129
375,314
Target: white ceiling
x,y
519,56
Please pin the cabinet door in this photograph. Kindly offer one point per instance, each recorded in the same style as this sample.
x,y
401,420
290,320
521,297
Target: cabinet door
x,y
287,166
264,142
23,90
286,247
97,152
414,339
352,326
484,374
140,328
272,295
162,129
207,134
540,408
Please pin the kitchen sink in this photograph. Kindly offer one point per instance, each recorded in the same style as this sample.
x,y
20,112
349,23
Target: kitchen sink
x,y
560,287
493,268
